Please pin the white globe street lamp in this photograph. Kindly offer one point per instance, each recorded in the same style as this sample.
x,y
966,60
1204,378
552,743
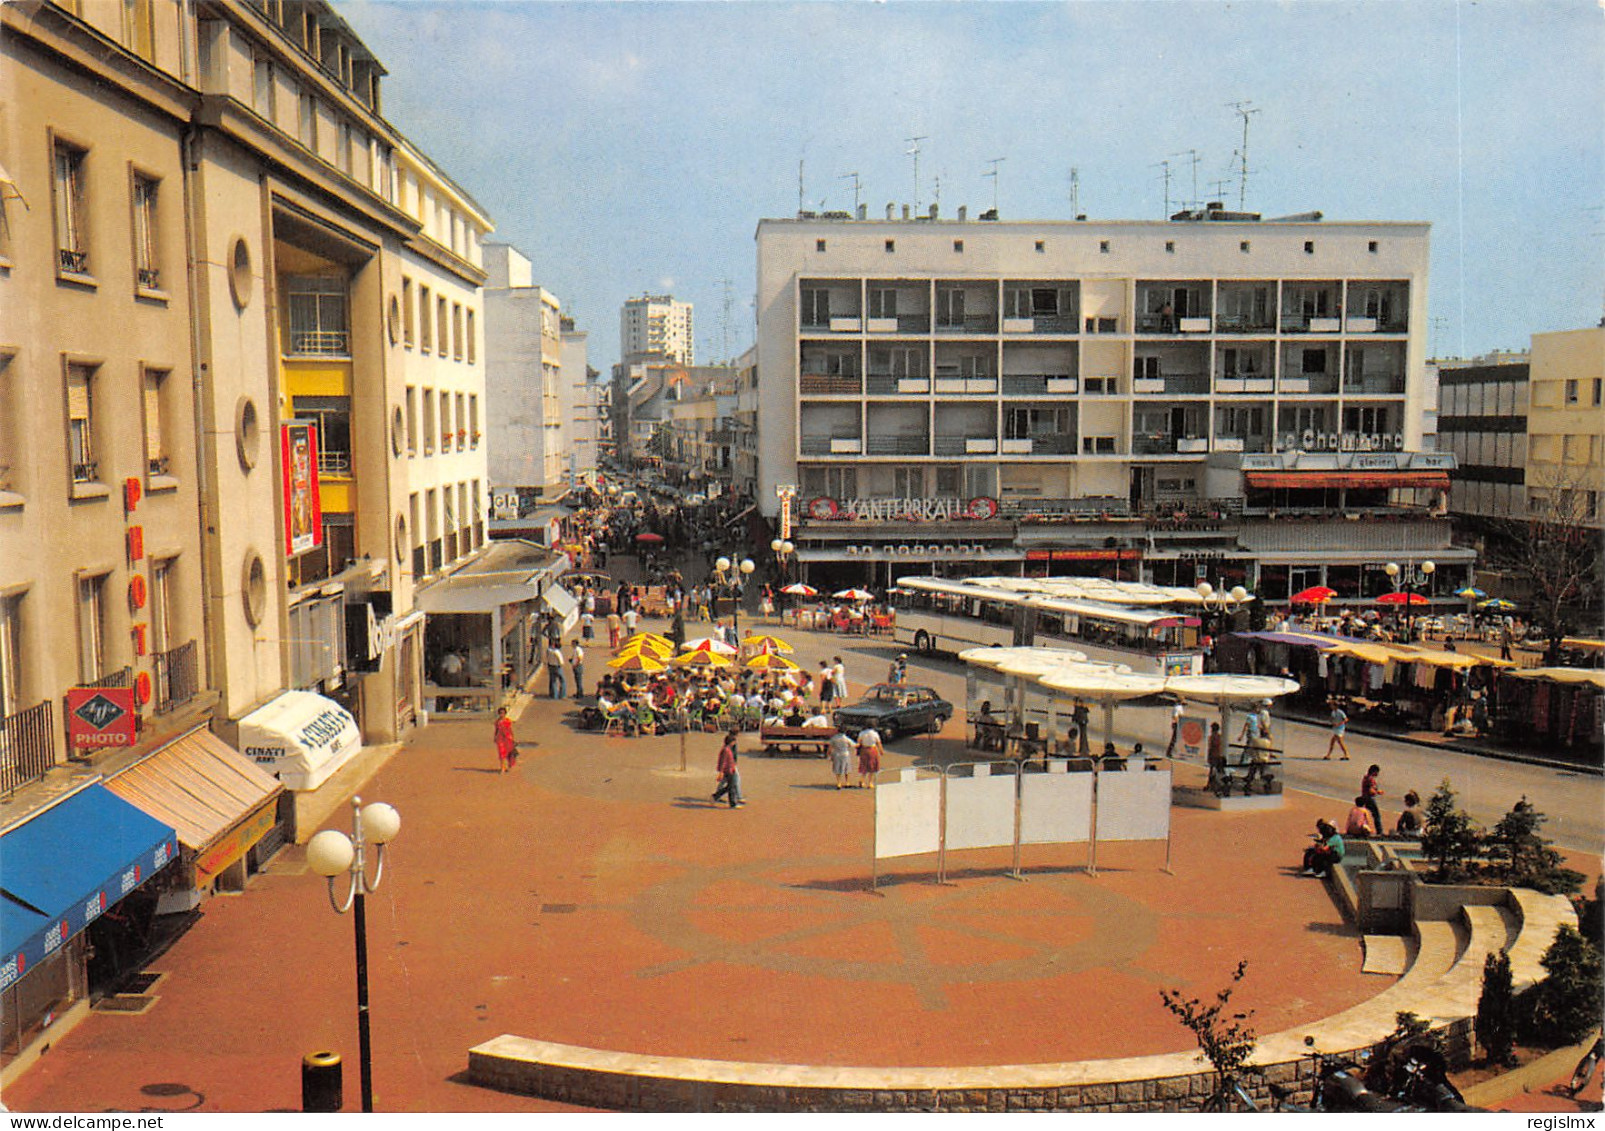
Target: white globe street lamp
x,y
330,853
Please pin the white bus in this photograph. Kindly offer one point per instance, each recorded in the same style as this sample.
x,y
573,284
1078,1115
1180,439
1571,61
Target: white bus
x,y
935,615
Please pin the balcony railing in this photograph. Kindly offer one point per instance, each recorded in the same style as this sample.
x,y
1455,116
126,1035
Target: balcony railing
x,y
1042,323
1312,323
122,677
72,260
1375,383
86,472
334,463
321,343
1171,384
1152,444
888,383
27,746
897,446
965,445
1053,443
829,384
1038,384
177,677
1244,324
831,445
1326,383
969,324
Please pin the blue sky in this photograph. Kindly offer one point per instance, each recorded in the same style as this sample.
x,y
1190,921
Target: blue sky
x,y
633,147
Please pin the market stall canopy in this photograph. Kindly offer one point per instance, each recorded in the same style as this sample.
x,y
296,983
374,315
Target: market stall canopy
x,y
1229,689
1496,605
991,657
1594,676
300,736
1103,684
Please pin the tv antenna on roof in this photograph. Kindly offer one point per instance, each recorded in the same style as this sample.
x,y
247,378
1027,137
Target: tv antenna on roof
x,y
914,152
1075,192
994,162
1244,109
1164,173
1192,155
856,186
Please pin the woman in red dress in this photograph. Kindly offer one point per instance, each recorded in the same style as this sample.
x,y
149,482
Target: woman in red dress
x,y
506,745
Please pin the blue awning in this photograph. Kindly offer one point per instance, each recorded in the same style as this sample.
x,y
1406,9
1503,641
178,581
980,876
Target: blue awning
x,y
64,866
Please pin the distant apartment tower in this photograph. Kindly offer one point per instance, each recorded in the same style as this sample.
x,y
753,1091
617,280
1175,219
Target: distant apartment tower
x,y
526,422
656,324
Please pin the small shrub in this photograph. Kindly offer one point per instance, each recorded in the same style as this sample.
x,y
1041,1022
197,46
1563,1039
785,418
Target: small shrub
x,y
1518,855
1448,839
1225,1039
1495,1021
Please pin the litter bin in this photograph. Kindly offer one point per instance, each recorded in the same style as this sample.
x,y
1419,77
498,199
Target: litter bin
x,y
321,1085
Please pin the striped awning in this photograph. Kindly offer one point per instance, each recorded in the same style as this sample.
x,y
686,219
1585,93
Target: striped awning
x,y
199,785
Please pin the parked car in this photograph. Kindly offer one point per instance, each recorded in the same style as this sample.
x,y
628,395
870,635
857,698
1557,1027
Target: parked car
x,y
894,709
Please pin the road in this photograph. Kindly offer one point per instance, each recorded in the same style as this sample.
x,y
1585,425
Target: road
x,y
1573,801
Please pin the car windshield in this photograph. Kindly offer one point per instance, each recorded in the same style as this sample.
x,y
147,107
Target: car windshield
x,y
887,695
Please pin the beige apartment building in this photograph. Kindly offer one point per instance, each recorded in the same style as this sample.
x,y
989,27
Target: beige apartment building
x,y
1176,400
1566,423
213,258
653,326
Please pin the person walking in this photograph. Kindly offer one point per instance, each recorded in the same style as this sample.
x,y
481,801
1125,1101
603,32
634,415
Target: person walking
x,y
898,673
1175,728
827,685
1370,790
631,619
614,627
506,744
576,664
555,684
729,775
869,757
841,753
1340,724
1081,717
838,678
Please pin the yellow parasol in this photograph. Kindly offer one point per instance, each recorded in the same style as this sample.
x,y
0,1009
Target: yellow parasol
x,y
650,644
701,658
638,662
771,662
768,644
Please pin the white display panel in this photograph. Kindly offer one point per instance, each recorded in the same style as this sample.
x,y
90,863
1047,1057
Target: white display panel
x,y
908,816
1055,807
980,808
1134,806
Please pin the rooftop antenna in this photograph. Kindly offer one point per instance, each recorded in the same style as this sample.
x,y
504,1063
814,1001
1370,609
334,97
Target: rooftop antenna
x,y
1220,189
1075,192
1164,173
1243,109
856,186
914,152
800,183
1192,156
994,162
938,200
724,327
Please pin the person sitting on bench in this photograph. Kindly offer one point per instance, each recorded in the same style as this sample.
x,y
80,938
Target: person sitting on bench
x,y
1327,851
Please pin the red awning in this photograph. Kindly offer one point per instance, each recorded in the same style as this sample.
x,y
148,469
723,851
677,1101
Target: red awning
x,y
1296,480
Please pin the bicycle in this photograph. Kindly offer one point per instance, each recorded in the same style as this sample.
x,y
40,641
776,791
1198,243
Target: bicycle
x,y
1229,1096
1584,1072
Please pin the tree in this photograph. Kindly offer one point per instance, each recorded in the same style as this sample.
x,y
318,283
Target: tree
x,y
1495,1022
1524,858
1224,1038
1449,838
1555,552
1569,996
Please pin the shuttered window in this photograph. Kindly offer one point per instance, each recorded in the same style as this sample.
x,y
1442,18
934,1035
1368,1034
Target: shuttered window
x,y
80,423
155,450
147,270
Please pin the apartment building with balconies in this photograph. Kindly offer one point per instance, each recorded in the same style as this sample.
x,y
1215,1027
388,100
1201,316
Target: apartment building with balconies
x,y
1030,372
657,326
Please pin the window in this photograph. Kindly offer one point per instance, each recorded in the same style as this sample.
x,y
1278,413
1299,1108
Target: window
x,y
429,421
425,338
442,329
1366,419
882,302
1042,246
815,307
1313,361
11,698
72,244
147,270
139,33
472,348
317,316
462,422
332,415
307,123
819,245
1371,246
161,604
950,307
91,628
1243,247
1170,247
1100,385
891,245
81,423
830,482
156,456
1571,390
457,331
1103,247
1098,445
1309,247
1598,382
343,152
958,246
412,420
409,322
908,482
263,96
445,421
473,419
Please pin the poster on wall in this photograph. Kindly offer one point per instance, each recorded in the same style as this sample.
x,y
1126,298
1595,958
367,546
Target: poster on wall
x,y
303,512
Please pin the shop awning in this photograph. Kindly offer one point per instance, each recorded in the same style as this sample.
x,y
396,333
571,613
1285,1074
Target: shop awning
x,y
302,737
1301,639
199,785
561,602
471,595
1302,480
66,865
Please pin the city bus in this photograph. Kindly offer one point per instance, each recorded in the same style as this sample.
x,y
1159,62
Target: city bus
x,y
1161,634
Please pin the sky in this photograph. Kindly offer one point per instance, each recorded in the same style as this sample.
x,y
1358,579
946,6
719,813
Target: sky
x,y
632,147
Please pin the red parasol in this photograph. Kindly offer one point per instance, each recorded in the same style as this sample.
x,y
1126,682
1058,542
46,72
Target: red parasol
x,y
1315,595
1402,598
649,537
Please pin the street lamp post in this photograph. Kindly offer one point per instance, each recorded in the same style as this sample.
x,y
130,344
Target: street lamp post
x,y
1220,602
1409,577
331,852
727,571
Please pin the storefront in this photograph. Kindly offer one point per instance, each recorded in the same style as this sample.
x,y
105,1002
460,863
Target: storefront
x,y
77,881
221,805
301,738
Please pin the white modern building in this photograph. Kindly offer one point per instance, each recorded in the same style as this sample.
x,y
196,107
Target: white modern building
x,y
1128,397
581,405
657,325
526,393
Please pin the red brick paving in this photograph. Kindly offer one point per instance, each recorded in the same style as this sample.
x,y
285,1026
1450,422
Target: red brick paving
x,y
595,898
